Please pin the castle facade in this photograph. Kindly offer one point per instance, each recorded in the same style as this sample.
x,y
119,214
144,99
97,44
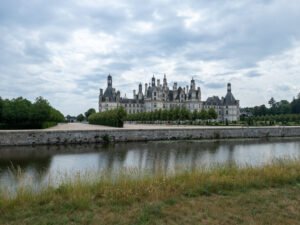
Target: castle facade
x,y
157,95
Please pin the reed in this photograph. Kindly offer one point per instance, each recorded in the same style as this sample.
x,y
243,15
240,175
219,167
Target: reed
x,y
129,188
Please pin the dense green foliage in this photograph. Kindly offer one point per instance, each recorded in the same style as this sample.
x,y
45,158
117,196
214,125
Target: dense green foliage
x,y
20,113
89,112
80,117
276,108
279,113
114,117
176,114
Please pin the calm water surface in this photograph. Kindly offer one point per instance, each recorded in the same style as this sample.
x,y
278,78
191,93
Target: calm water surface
x,y
40,162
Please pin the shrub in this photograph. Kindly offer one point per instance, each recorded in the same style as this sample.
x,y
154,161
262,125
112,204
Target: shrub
x,y
113,118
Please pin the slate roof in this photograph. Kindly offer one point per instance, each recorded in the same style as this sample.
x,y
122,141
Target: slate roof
x,y
215,100
108,93
229,99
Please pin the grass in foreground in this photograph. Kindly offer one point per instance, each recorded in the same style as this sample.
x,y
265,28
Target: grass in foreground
x,y
223,195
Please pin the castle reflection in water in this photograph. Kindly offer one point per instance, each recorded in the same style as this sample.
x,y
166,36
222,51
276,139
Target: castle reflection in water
x,y
39,162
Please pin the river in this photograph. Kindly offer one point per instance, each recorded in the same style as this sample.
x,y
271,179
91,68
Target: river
x,y
35,164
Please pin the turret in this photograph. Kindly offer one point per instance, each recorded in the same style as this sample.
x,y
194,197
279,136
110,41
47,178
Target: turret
x,y
193,84
153,81
109,81
140,88
228,87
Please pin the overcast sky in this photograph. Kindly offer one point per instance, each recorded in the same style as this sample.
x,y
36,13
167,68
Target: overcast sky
x,y
64,50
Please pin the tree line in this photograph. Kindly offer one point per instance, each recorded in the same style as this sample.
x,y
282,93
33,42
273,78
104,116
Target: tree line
x,y
176,114
275,108
20,113
278,113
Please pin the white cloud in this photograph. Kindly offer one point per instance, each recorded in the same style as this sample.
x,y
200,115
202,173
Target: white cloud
x,y
63,50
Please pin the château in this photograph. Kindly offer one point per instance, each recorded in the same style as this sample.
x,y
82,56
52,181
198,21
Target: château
x,y
157,95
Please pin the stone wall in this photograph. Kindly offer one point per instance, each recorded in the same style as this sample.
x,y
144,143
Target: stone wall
x,y
122,135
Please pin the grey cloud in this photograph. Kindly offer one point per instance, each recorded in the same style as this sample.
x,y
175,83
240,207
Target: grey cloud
x,y
214,85
239,33
253,73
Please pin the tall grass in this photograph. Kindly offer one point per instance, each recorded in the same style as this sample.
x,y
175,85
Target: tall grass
x,y
126,189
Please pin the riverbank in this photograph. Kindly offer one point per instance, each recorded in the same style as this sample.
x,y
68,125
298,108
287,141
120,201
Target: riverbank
x,y
222,195
85,133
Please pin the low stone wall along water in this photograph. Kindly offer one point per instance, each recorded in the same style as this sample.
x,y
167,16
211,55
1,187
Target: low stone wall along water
x,y
43,137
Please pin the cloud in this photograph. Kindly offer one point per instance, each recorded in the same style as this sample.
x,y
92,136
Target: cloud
x,y
63,50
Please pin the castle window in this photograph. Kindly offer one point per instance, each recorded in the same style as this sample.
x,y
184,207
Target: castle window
x,y
154,93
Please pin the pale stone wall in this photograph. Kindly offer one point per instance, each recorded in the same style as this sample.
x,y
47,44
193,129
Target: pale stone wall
x,y
121,135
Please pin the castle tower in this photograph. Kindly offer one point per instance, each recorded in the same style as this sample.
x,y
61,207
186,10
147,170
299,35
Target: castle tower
x,y
109,81
153,81
229,87
193,84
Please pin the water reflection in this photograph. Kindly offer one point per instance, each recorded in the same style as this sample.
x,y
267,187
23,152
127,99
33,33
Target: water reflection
x,y
38,163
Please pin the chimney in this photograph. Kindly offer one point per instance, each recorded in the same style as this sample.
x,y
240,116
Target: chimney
x,y
158,82
175,86
146,88
187,88
199,93
134,94
101,91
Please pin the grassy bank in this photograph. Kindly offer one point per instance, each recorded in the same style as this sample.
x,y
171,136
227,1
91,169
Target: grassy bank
x,y
222,195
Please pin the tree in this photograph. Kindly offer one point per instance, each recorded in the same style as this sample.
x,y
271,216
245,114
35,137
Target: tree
x,y
89,112
260,110
203,115
80,117
212,114
272,102
194,115
295,106
283,107
40,110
